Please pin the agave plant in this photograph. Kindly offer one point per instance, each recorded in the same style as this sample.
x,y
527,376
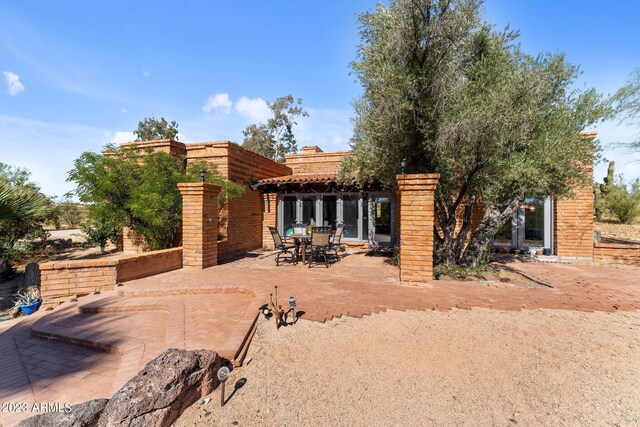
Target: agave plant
x,y
28,296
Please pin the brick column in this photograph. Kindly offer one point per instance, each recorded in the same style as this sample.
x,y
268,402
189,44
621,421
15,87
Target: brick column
x,y
269,218
574,221
199,224
416,226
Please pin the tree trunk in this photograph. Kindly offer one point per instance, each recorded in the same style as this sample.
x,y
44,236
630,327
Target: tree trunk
x,y
373,244
493,219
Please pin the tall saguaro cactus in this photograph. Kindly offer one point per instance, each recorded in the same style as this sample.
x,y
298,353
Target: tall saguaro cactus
x,y
608,181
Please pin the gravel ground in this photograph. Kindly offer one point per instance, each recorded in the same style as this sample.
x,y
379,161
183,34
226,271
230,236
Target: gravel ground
x,y
478,367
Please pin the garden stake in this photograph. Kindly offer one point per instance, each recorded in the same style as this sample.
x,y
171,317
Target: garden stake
x,y
223,374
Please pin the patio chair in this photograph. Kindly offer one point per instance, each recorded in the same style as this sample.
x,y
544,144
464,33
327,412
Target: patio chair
x,y
334,243
319,246
286,251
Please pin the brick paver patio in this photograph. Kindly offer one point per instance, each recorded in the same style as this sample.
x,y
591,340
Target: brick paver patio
x,y
88,349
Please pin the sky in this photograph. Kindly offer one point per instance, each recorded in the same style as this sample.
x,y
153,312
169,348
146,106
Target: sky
x,y
79,75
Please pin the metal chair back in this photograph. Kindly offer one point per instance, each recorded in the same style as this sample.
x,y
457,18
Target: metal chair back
x,y
320,236
338,234
277,240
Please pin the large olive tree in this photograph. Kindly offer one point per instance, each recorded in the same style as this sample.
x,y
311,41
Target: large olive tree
x,y
451,95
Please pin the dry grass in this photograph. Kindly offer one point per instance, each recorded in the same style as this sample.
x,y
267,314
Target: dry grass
x,y
611,231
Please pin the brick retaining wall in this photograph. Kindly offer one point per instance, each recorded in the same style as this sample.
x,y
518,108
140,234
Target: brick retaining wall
x,y
63,280
617,252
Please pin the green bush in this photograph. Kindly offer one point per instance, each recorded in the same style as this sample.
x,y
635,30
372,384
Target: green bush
x,y
623,203
461,272
100,232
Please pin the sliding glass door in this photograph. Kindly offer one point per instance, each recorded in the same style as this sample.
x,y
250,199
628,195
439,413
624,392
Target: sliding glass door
x,y
350,216
530,226
359,212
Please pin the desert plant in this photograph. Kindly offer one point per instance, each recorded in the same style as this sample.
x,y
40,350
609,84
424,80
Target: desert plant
x,y
460,272
27,296
623,203
601,191
100,233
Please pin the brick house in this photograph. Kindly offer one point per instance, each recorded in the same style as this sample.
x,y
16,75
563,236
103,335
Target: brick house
x,y
305,190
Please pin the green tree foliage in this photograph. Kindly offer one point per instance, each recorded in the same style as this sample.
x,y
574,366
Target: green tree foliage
x,y
127,187
622,202
453,96
275,138
70,213
151,128
100,232
626,104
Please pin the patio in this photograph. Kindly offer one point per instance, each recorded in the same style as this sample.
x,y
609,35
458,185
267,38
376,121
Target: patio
x,y
96,344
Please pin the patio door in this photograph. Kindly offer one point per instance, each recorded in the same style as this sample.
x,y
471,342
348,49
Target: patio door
x,y
530,226
382,209
365,216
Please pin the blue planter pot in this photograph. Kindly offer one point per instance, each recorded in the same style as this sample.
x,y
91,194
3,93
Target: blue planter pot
x,y
31,308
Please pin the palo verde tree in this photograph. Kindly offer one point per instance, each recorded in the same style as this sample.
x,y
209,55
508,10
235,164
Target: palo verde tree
x,y
151,128
275,138
451,95
139,189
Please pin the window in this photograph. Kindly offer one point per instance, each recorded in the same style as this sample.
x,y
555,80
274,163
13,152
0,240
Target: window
x,y
530,226
350,216
308,215
329,210
288,214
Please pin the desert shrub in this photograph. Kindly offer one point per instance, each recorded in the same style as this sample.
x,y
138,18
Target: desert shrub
x,y
623,202
101,232
460,272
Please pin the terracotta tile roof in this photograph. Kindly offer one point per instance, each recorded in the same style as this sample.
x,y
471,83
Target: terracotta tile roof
x,y
300,178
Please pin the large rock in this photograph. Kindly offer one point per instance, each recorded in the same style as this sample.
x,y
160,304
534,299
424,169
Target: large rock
x,y
82,415
163,389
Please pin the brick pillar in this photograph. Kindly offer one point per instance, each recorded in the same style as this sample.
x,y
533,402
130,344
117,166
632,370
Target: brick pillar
x,y
416,226
574,221
199,224
574,218
269,218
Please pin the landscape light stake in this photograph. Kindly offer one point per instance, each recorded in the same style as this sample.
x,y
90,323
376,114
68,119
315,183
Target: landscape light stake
x,y
223,374
292,307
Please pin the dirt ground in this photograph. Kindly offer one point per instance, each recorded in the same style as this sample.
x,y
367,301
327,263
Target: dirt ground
x,y
619,232
478,367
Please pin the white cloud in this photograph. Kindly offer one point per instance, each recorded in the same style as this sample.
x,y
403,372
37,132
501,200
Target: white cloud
x,y
123,110
119,137
219,101
146,74
256,109
14,85
329,129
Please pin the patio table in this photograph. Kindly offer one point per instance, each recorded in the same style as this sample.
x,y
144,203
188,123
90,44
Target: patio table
x,y
301,241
